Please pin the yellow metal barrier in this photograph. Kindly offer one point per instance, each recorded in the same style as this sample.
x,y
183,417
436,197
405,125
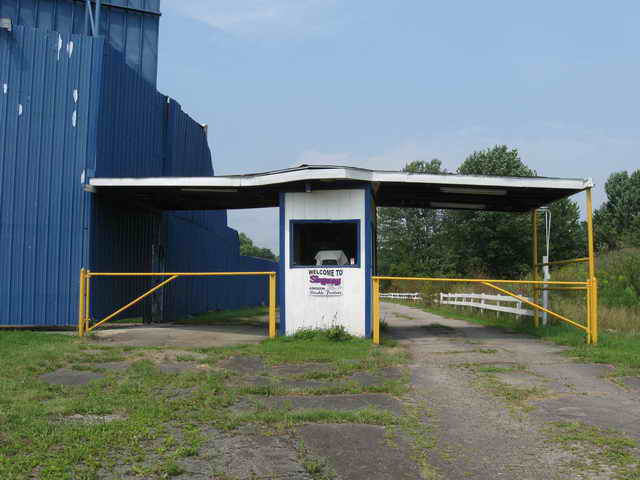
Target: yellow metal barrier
x,y
591,329
537,307
590,286
481,280
84,315
564,262
376,311
82,303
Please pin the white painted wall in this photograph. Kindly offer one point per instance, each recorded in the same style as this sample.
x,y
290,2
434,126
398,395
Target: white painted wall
x,y
303,310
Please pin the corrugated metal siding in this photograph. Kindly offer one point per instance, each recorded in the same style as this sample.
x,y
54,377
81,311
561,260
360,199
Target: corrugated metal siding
x,y
50,228
193,247
130,142
42,158
132,123
143,133
133,33
122,239
188,151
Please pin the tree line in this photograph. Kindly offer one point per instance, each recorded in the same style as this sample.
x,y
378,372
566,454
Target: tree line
x,y
249,249
428,242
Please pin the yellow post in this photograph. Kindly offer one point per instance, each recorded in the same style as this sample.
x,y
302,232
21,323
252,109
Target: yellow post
x,y
272,305
81,303
589,327
376,311
87,303
592,270
594,312
534,229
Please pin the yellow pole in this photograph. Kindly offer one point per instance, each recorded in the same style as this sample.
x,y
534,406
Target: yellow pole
x,y
376,311
81,304
592,270
594,312
589,327
534,229
87,308
272,305
537,307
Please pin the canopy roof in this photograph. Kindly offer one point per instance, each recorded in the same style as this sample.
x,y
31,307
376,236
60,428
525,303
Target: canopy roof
x,y
390,188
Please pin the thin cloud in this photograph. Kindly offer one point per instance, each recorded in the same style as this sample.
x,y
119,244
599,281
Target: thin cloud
x,y
257,17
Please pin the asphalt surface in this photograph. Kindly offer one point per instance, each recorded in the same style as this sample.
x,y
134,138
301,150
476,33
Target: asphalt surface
x,y
482,435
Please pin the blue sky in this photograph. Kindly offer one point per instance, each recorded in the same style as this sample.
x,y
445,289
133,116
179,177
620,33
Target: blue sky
x,y
380,83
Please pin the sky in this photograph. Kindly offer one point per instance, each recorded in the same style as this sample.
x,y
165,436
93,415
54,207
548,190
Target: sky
x,y
379,84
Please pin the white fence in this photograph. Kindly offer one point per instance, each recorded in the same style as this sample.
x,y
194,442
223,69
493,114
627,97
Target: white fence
x,y
402,296
479,300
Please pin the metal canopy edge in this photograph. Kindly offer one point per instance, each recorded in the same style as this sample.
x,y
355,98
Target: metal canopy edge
x,y
392,188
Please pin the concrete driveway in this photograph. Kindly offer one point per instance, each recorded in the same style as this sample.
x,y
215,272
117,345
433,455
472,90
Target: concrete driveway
x,y
182,336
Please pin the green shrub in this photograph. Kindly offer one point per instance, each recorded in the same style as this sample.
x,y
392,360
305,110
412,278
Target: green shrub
x,y
306,334
336,333
618,274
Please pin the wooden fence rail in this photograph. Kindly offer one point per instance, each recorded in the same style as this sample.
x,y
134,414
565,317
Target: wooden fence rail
x,y
484,301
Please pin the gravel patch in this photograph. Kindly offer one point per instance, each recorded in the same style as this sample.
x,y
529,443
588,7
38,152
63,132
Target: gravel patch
x,y
339,403
65,376
360,452
250,365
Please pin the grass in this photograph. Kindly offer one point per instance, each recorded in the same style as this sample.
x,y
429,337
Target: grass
x,y
117,321
246,316
160,417
317,467
598,449
487,380
284,417
514,395
496,369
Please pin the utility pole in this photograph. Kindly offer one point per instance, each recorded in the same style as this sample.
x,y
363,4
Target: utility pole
x,y
546,274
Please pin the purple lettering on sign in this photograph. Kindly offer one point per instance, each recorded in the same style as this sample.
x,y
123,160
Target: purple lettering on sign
x,y
325,281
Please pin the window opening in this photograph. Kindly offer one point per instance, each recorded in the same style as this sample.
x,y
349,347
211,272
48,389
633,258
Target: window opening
x,y
325,243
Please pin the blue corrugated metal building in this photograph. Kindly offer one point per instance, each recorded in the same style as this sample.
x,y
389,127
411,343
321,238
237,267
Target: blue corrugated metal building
x,y
73,106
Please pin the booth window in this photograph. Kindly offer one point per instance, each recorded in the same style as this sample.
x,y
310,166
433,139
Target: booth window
x,y
325,243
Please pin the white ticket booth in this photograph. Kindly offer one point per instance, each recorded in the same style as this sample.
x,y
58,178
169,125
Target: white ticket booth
x,y
326,260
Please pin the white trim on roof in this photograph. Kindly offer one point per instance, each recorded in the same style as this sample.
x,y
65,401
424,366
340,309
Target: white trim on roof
x,y
343,173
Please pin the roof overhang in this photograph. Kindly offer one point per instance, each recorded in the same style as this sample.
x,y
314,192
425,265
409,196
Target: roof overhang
x,y
391,189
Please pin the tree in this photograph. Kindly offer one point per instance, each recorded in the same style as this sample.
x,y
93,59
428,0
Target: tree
x,y
247,248
498,244
427,242
617,221
410,239
568,234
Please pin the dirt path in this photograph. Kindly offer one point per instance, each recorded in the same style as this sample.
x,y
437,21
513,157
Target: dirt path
x,y
512,407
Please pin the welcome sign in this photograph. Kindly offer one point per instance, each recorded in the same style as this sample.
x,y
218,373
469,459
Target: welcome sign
x,y
326,282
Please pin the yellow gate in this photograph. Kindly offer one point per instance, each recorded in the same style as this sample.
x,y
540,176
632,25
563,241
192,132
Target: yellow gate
x,y
590,286
591,328
85,327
